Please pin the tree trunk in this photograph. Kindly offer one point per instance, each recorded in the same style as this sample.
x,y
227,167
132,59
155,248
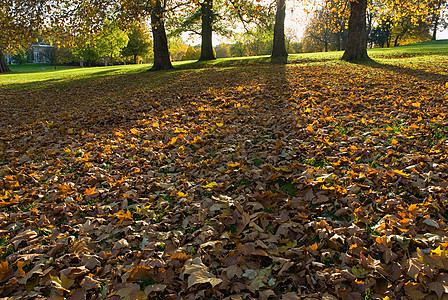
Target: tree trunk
x,y
162,59
207,20
279,53
396,40
436,24
435,20
356,48
3,66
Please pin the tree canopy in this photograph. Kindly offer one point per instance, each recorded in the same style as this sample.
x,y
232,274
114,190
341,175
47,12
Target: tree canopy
x,y
73,20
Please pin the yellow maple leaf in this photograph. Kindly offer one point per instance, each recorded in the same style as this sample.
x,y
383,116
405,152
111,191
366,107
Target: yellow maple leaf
x,y
412,207
122,216
439,252
155,124
6,196
401,173
233,164
210,185
181,194
310,128
134,131
314,246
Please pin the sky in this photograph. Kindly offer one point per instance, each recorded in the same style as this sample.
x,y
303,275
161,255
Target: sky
x,y
443,35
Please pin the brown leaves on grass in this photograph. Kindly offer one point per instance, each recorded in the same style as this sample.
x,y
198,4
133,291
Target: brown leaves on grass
x,y
279,182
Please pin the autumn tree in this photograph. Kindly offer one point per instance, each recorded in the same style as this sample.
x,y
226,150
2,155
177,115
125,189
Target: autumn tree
x,y
406,30
327,26
20,22
438,19
111,42
357,34
380,34
192,54
222,50
139,42
84,17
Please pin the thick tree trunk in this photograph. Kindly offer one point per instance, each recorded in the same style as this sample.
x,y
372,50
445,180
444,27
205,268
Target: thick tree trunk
x,y
434,32
162,59
207,20
279,53
3,66
356,48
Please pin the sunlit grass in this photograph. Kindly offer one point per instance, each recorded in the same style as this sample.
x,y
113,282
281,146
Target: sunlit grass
x,y
40,75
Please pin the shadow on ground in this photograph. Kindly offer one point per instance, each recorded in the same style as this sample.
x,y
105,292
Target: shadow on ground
x,y
418,74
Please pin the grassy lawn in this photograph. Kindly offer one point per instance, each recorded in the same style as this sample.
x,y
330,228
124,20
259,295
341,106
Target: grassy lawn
x,y
41,75
319,179
31,68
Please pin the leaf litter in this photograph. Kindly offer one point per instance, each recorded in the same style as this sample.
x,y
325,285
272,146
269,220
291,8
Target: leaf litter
x,y
279,182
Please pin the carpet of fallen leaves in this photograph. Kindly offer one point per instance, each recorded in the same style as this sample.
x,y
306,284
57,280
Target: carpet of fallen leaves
x,y
263,182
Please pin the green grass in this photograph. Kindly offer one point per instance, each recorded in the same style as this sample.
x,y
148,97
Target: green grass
x,y
30,68
34,77
439,47
412,56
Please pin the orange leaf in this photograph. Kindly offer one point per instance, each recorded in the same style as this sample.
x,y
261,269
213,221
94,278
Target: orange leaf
x,y
4,268
90,191
122,216
233,164
401,173
180,256
20,270
65,189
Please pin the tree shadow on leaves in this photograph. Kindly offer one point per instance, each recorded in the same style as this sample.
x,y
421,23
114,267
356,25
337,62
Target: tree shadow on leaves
x,y
416,73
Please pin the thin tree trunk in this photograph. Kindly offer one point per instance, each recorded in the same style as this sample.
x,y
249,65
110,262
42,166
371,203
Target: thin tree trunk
x,y
396,40
436,24
162,59
279,53
207,20
339,37
436,18
3,66
356,49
